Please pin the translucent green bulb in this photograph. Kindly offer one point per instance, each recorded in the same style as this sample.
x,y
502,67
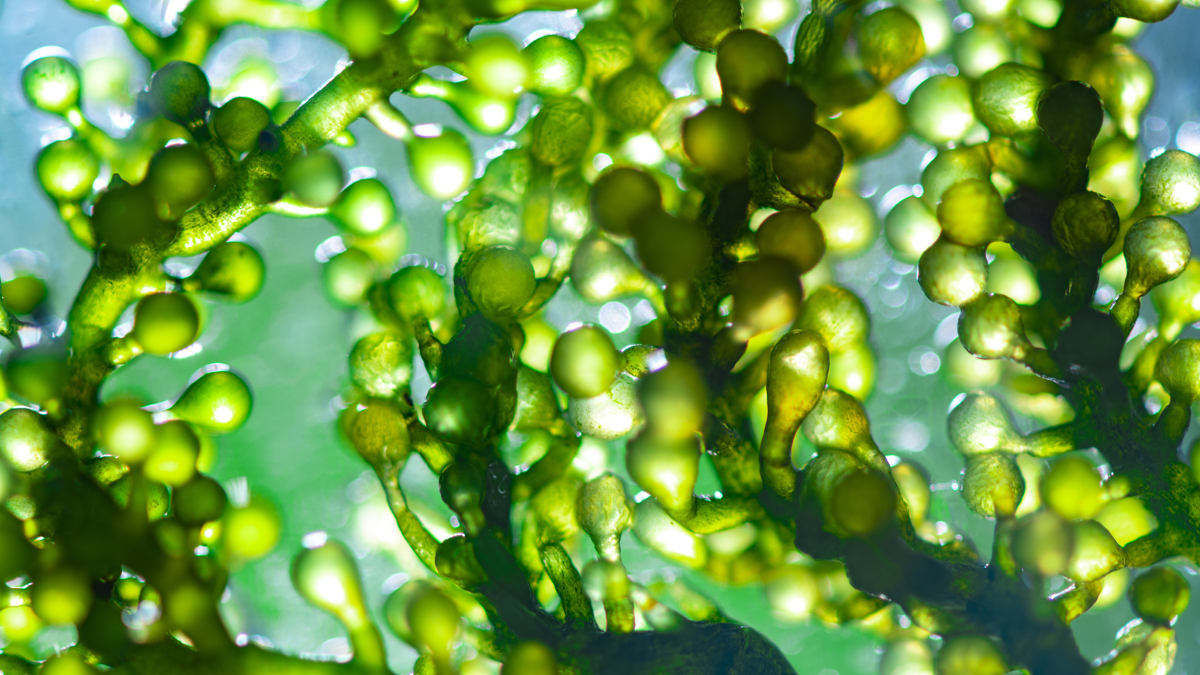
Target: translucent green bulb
x,y
635,97
460,411
123,429
561,131
179,91
602,271
793,235
1178,369
972,213
495,67
233,269
416,291
486,112
952,274
766,296
665,468
364,208
604,513
795,379
622,196
890,42
811,172
718,141
26,441
993,486
747,60
62,595
906,657
1125,83
199,501
864,502
165,323
500,280
218,401
239,122
970,655
607,48
675,401
52,84
556,65
940,110
1159,595
1146,11
935,23
67,170
837,315
911,227
327,577
584,362
173,459
1156,250
1095,553
1006,98
1170,184
951,166
377,429
316,178
530,658
1085,225
442,166
980,424
1178,301
981,48
704,23
990,327
348,276
381,364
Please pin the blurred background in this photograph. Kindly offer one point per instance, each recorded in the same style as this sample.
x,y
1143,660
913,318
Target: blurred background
x,y
291,344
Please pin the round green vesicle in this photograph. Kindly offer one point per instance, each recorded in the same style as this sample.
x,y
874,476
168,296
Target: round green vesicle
x,y
199,501
940,109
561,131
348,276
556,65
381,363
234,270
746,61
635,97
460,411
165,322
179,91
316,179
417,291
239,122
704,23
179,176
442,166
718,141
890,42
52,84
218,402
621,197
123,429
67,170
365,207
26,440
501,280
127,215
584,362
